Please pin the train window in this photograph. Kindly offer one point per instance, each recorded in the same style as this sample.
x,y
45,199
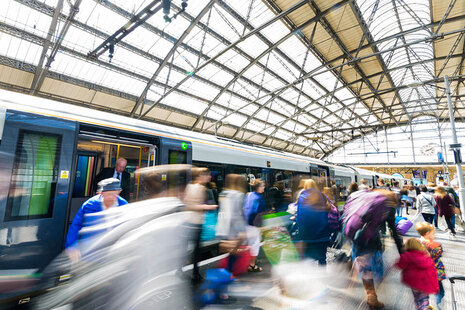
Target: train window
x,y
84,174
34,176
177,157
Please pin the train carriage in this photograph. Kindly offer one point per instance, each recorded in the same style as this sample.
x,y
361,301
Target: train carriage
x,y
50,153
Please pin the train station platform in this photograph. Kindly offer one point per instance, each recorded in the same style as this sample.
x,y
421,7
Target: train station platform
x,y
268,293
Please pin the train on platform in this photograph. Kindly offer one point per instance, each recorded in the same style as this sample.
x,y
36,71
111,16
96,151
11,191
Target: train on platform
x,y
51,151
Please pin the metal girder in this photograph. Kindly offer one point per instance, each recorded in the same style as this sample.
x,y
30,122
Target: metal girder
x,y
49,10
284,56
74,9
319,70
344,49
268,50
137,20
17,64
446,14
370,39
46,45
233,13
232,45
39,40
142,97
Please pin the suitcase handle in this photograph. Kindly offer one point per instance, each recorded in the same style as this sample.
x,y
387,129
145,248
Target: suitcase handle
x,y
452,279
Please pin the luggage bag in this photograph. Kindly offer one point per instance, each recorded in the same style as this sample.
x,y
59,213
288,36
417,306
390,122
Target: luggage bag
x,y
452,282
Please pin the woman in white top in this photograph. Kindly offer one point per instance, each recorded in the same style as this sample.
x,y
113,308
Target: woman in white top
x,y
426,205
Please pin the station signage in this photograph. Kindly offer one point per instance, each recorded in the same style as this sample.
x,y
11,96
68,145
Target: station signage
x,y
419,175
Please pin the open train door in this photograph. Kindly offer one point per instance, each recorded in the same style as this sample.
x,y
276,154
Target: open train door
x,y
35,163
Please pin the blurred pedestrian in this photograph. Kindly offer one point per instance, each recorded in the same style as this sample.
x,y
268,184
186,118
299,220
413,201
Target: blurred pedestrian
x,y
379,206
418,272
312,222
196,200
107,197
426,204
254,205
231,224
445,206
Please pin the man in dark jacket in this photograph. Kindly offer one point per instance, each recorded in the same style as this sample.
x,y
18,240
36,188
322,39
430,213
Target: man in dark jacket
x,y
118,172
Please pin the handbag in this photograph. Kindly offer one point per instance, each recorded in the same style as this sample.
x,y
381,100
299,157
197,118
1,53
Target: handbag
x,y
456,210
228,246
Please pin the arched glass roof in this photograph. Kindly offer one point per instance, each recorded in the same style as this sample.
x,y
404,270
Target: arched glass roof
x,y
419,143
297,75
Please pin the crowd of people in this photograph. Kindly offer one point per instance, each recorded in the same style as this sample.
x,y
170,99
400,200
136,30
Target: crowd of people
x,y
235,216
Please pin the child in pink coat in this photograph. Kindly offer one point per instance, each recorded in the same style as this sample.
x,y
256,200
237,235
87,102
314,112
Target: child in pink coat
x,y
418,272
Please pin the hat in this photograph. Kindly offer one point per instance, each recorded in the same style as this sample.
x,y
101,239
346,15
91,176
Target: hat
x,y
110,184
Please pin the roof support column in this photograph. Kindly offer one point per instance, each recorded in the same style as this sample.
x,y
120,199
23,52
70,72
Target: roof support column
x,y
411,141
47,43
456,148
387,145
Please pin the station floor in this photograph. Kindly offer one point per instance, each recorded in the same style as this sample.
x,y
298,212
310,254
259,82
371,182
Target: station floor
x,y
265,293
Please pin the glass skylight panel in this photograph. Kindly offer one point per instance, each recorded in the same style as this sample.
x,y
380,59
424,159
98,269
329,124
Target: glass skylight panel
x,y
80,40
414,53
175,28
215,74
295,49
275,31
185,103
51,2
230,30
174,76
283,135
23,17
235,119
253,46
104,19
193,7
233,60
327,79
133,6
95,74
156,92
144,39
203,90
133,62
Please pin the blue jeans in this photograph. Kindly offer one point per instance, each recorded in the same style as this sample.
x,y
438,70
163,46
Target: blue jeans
x,y
399,211
428,217
316,251
440,294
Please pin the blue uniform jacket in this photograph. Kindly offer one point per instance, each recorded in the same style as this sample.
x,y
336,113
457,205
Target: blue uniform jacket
x,y
92,205
312,220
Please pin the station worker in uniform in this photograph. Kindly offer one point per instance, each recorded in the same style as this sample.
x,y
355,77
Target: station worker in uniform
x,y
107,197
118,172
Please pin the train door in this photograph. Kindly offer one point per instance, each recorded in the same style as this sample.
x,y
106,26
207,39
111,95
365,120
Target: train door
x,y
35,164
95,153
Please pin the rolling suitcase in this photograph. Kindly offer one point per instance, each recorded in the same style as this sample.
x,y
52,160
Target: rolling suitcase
x,y
452,282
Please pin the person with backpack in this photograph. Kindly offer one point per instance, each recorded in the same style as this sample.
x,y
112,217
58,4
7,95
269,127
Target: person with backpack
x,y
426,205
365,214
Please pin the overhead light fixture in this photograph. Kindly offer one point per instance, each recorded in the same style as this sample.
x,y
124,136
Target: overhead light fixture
x,y
415,84
166,4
